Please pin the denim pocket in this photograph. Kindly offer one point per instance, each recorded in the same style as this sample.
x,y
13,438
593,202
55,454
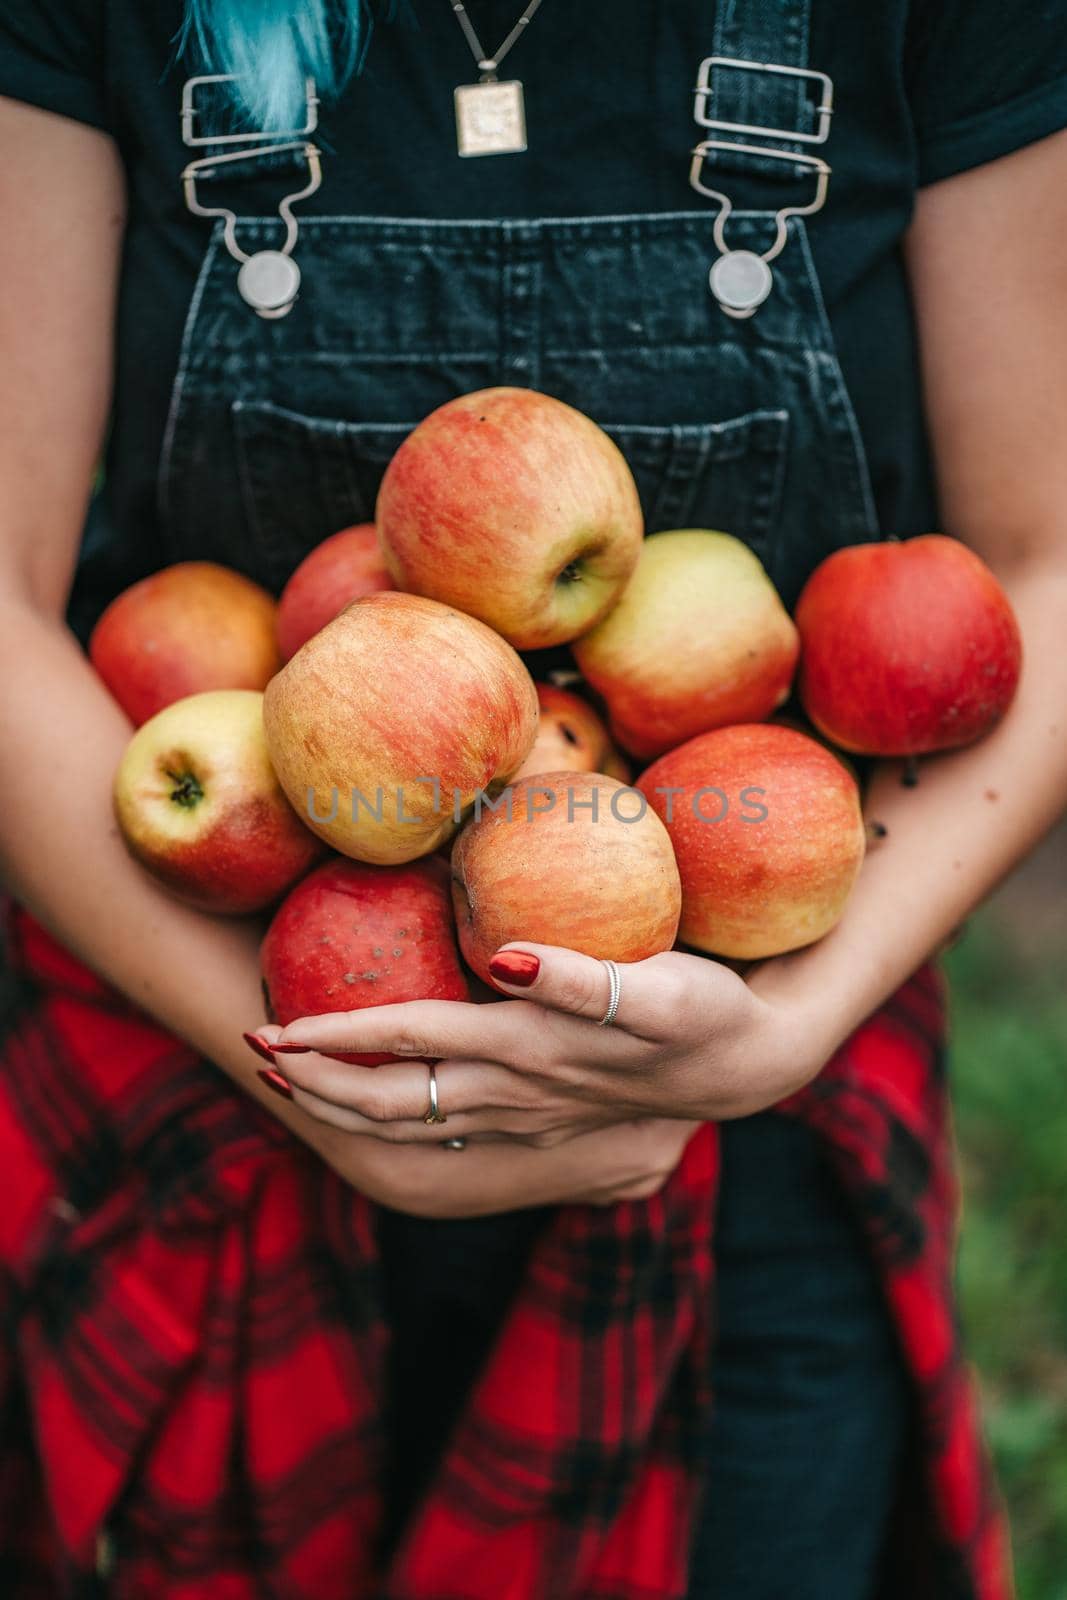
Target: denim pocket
x,y
723,475
303,478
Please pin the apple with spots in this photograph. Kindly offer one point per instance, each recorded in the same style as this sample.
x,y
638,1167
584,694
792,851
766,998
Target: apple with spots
x,y
352,935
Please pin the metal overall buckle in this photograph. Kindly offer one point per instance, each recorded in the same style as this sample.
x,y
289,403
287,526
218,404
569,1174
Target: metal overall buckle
x,y
741,280
269,280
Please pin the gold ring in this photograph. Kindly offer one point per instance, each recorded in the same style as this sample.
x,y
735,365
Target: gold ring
x,y
433,1116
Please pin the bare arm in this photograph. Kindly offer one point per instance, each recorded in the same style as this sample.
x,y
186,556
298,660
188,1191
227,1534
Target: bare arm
x,y
61,735
989,275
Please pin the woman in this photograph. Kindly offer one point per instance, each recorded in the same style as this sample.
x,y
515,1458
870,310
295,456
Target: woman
x,y
201,1401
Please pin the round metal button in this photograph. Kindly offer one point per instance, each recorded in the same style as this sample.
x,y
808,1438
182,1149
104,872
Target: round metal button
x,y
268,280
740,280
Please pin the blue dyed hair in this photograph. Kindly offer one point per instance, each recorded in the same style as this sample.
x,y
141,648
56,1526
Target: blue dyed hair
x,y
272,46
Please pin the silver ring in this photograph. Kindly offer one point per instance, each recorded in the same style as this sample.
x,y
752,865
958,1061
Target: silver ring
x,y
433,1116
454,1144
616,990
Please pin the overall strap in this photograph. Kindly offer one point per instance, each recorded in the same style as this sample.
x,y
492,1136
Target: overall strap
x,y
764,30
775,33
763,113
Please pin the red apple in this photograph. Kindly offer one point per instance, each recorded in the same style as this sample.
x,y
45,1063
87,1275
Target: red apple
x,y
352,935
570,735
601,881
390,720
699,639
339,570
515,508
191,627
768,834
906,647
199,806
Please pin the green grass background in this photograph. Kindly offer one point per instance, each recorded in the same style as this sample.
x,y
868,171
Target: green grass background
x,y
1009,1065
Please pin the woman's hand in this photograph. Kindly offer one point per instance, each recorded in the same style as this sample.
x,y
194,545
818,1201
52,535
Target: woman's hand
x,y
630,1161
690,1040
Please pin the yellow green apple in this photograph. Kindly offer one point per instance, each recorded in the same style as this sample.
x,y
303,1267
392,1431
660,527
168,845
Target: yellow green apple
x,y
698,640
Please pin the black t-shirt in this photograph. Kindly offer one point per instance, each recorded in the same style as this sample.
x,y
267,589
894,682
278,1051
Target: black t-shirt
x,y
923,90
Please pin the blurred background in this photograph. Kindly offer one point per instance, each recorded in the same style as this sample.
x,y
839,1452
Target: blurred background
x,y
1009,1067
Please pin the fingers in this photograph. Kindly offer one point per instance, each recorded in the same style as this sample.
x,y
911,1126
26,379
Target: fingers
x,y
476,1099
400,1092
510,1033
423,1029
651,992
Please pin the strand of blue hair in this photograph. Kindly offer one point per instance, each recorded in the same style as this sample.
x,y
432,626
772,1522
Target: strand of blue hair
x,y
272,46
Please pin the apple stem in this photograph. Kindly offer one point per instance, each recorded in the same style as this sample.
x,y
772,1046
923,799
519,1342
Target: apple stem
x,y
187,791
910,776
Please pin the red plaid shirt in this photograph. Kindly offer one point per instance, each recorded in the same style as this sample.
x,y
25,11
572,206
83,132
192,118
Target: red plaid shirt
x,y
193,1377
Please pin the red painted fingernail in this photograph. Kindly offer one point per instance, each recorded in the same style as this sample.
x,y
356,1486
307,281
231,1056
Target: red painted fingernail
x,y
275,1081
292,1049
515,967
255,1043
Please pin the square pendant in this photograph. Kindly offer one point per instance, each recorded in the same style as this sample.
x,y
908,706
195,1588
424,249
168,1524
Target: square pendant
x,y
490,119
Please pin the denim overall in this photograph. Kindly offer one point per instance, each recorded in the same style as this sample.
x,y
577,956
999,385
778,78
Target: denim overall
x,y
278,435
280,430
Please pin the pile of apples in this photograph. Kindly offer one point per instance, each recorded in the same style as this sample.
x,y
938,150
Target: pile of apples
x,y
373,753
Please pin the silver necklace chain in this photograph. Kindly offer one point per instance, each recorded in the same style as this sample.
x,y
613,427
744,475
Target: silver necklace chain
x,y
488,64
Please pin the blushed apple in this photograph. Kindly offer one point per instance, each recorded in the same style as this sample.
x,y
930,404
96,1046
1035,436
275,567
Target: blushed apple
x,y
339,570
199,806
570,735
352,935
768,834
189,628
593,871
698,640
515,508
906,647
390,720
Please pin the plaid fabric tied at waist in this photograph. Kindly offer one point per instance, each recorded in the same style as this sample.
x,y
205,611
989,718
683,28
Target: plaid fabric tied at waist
x,y
193,1375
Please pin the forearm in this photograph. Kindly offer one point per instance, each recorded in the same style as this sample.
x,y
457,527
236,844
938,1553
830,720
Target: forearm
x,y
948,841
61,737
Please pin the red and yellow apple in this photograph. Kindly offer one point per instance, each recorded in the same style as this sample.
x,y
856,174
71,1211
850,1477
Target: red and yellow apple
x,y
192,627
341,569
578,860
768,834
698,640
515,508
352,935
906,647
391,719
570,735
199,806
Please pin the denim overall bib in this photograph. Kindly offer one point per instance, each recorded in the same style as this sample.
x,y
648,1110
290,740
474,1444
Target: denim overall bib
x,y
280,430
